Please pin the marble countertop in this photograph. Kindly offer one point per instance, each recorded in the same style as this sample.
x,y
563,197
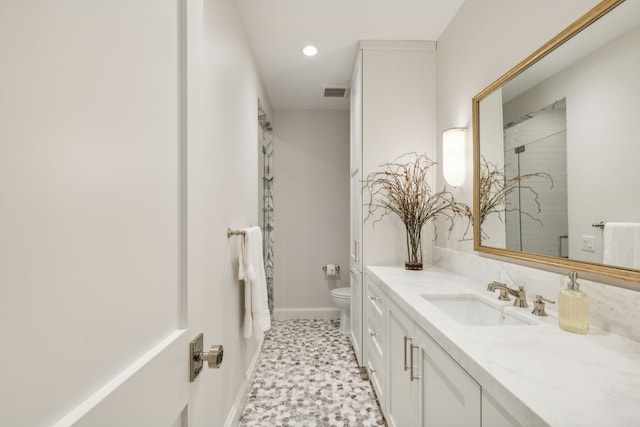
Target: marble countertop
x,y
541,374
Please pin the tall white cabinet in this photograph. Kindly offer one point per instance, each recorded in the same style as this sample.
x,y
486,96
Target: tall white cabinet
x,y
392,113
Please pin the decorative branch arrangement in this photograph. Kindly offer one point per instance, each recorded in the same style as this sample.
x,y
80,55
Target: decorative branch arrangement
x,y
402,188
495,188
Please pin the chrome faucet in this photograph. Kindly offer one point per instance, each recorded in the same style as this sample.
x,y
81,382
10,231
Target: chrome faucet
x,y
520,294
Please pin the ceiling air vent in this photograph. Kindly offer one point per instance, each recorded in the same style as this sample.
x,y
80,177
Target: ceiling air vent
x,y
336,92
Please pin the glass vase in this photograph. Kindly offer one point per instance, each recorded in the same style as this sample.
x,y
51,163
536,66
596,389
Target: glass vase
x,y
414,248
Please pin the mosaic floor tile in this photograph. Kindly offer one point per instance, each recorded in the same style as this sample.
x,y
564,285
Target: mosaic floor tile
x,y
308,377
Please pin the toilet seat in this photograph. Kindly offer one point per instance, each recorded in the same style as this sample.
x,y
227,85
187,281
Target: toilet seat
x,y
344,292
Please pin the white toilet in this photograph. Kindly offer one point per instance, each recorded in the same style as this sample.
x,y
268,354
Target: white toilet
x,y
342,299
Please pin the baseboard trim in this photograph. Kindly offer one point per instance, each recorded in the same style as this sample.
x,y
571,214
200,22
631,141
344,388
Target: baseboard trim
x,y
306,313
233,418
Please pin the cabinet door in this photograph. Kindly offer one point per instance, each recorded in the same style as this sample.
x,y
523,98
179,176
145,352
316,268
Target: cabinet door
x,y
449,396
355,245
355,250
357,315
494,415
401,409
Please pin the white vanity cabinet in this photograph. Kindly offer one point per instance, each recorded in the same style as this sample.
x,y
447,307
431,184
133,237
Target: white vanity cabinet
x,y
416,381
426,387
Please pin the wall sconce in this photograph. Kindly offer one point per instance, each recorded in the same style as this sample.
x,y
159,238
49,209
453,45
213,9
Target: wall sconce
x,y
454,156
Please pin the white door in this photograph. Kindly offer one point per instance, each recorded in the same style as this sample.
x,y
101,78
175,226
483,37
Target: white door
x,y
93,304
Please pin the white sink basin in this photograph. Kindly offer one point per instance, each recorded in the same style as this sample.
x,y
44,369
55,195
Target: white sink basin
x,y
474,311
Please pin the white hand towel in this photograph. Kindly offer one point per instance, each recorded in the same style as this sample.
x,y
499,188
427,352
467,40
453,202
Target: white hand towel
x,y
621,245
257,319
242,257
242,275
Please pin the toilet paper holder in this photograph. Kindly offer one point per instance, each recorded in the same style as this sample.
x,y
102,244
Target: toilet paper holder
x,y
324,268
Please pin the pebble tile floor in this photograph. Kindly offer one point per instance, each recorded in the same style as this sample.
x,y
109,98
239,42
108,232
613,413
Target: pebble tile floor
x,y
308,377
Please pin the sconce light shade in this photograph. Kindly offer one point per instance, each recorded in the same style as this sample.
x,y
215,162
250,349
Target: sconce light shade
x,y
454,156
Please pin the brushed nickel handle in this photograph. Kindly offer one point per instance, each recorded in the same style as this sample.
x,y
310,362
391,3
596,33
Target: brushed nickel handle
x,y
356,249
406,339
413,377
372,298
213,357
197,356
373,334
538,305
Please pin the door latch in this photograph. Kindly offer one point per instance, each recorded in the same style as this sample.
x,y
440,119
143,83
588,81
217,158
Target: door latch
x,y
197,357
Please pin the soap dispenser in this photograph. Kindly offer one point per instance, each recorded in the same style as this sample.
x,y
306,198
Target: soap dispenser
x,y
573,307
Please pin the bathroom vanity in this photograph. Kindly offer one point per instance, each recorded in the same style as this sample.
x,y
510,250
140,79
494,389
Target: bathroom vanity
x,y
433,365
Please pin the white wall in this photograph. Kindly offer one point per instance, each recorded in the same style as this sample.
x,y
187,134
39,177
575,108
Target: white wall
x,y
311,201
485,40
90,196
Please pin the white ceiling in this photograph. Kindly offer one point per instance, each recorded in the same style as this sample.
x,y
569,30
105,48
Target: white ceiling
x,y
279,29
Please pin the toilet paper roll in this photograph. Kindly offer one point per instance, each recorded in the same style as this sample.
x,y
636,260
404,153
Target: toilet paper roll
x,y
331,270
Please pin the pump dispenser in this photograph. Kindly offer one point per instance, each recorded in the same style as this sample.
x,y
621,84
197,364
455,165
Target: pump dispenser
x,y
573,307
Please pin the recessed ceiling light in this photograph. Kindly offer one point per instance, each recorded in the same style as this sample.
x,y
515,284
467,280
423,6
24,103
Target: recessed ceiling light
x,y
310,50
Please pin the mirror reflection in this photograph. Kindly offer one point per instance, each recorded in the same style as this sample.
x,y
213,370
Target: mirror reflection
x,y
560,142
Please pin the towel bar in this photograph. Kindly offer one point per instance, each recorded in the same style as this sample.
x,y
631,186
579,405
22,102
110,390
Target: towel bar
x,y
231,232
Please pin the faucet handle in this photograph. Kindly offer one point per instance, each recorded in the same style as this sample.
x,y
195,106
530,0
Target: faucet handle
x,y
504,295
521,298
538,305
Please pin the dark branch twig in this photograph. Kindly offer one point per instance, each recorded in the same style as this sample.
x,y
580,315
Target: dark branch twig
x,y
403,189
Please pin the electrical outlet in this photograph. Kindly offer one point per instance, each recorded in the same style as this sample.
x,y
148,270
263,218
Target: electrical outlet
x,y
588,243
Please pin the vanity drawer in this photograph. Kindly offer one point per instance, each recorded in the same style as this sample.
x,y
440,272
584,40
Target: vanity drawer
x,y
375,367
375,304
375,340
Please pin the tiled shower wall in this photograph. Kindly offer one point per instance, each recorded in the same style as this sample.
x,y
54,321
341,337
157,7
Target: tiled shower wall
x,y
543,138
266,144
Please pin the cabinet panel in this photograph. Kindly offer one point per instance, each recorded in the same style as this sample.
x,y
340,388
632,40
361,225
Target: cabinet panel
x,y
355,238
450,396
376,367
375,305
494,414
357,315
400,389
375,338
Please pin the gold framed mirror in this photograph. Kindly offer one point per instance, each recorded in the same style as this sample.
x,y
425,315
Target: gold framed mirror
x,y
555,152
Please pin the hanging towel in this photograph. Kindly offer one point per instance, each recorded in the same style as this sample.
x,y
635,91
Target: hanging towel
x,y
621,245
257,319
243,270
